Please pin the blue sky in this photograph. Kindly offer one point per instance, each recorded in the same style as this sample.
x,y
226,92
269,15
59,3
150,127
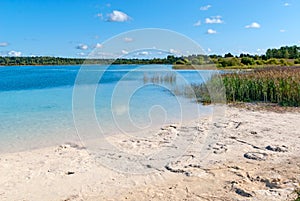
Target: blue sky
x,y
72,28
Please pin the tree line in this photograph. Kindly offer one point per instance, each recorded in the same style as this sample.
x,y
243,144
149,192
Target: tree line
x,y
283,56
42,60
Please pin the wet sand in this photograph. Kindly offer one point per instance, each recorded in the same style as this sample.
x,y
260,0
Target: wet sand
x,y
248,155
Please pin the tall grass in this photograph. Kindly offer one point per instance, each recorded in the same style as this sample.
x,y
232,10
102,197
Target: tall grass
x,y
177,86
160,78
275,85
211,91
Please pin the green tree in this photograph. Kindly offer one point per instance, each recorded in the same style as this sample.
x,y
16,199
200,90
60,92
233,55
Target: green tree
x,y
248,61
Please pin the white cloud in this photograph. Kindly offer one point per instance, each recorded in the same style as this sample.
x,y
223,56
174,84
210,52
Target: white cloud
x,y
81,54
124,52
198,23
173,51
253,25
14,53
118,16
103,55
260,51
127,39
205,7
98,45
100,15
144,53
208,50
3,44
82,47
286,4
214,20
247,52
282,30
211,31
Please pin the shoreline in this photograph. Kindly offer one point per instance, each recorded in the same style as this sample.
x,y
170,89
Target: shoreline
x,y
255,157
174,66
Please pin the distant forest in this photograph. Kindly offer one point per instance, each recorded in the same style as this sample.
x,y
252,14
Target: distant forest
x,y
284,56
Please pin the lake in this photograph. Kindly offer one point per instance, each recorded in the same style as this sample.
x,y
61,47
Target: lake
x,y
50,105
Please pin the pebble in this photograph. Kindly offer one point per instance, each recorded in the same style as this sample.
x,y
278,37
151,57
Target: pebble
x,y
256,156
277,148
243,193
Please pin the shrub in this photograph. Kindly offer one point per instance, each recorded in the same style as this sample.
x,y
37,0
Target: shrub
x,y
284,62
248,61
259,62
224,62
297,61
272,62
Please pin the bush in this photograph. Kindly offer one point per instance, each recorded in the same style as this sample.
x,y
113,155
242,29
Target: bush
x,y
180,62
272,62
229,62
248,61
284,62
297,61
259,62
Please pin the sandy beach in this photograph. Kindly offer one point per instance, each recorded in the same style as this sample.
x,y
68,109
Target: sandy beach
x,y
255,157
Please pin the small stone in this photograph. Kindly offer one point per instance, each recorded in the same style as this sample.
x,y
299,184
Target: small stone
x,y
234,182
256,156
188,174
253,132
70,173
238,125
173,126
243,193
236,167
169,168
277,148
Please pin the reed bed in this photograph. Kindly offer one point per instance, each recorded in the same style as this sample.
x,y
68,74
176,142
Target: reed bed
x,y
275,85
158,78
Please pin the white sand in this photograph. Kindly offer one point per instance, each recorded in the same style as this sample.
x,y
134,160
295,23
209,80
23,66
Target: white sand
x,y
237,166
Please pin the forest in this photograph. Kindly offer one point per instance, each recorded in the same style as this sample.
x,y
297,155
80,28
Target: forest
x,y
283,56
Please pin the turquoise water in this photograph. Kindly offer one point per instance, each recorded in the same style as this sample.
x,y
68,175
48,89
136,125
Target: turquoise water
x,y
37,103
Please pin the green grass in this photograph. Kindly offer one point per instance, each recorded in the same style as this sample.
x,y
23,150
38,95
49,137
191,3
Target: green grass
x,y
213,67
274,85
194,67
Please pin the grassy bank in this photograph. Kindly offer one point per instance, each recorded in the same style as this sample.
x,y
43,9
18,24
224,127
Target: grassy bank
x,y
275,85
214,67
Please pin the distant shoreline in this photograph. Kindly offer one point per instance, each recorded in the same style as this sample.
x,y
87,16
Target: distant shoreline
x,y
174,67
284,56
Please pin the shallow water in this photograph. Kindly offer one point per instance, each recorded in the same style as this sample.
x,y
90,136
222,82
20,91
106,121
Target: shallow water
x,y
38,103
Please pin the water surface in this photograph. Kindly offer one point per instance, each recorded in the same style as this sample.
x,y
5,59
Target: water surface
x,y
37,105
